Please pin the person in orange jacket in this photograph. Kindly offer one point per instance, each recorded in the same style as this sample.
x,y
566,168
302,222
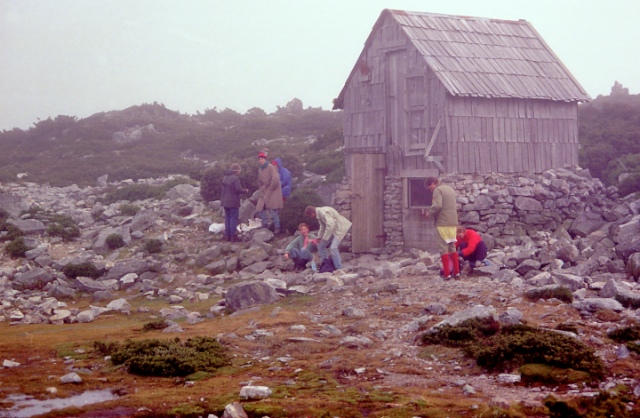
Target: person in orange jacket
x,y
470,246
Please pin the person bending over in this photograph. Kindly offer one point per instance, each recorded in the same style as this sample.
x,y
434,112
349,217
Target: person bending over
x,y
470,246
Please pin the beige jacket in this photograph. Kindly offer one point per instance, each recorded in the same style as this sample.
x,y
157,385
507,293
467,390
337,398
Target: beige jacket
x,y
270,192
331,223
443,206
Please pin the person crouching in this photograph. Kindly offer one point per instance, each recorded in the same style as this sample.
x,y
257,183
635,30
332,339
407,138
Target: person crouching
x,y
470,246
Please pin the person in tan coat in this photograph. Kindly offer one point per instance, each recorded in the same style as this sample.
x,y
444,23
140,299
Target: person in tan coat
x,y
445,212
333,228
270,196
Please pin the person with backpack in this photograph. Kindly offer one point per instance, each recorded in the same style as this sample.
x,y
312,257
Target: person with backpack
x,y
333,228
270,196
230,201
285,178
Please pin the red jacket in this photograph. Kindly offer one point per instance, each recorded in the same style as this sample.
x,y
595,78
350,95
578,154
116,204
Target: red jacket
x,y
472,238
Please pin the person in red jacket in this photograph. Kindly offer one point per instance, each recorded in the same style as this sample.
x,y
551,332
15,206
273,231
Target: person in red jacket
x,y
470,246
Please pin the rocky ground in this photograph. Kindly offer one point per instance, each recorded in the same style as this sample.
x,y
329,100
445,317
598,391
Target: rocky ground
x,y
361,324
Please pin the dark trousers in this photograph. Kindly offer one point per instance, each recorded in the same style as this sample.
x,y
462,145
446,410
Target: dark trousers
x,y
230,222
300,257
478,255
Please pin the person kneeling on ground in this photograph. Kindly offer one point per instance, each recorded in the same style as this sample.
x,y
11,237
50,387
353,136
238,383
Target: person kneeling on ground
x,y
470,245
299,250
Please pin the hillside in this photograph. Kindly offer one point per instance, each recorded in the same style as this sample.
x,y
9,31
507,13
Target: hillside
x,y
152,141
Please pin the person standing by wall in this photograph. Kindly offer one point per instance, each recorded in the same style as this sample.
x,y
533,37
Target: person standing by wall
x,y
230,201
333,228
270,196
285,178
444,210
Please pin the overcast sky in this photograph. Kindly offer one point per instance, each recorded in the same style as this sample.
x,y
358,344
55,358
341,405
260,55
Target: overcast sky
x,y
80,57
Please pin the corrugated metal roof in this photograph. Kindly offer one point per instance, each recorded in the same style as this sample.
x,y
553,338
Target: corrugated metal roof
x,y
488,57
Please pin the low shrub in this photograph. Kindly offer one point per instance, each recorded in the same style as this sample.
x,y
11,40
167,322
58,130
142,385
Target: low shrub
x,y
4,215
211,180
133,192
629,185
559,292
506,348
292,214
627,302
168,358
115,241
153,246
629,335
331,165
155,325
13,232
604,405
16,248
129,209
85,269
64,227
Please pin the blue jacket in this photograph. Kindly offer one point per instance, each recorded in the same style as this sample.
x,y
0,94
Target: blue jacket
x,y
285,178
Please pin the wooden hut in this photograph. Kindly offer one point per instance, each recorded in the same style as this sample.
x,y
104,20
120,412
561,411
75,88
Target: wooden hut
x,y
434,94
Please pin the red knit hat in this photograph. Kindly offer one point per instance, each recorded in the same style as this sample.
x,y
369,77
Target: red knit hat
x,y
262,155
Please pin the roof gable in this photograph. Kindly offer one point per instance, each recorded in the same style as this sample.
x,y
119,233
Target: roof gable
x,y
482,57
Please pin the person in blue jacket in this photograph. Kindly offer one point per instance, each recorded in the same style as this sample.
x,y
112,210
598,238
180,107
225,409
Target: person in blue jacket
x,y
285,178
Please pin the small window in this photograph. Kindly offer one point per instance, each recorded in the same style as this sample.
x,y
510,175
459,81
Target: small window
x,y
419,196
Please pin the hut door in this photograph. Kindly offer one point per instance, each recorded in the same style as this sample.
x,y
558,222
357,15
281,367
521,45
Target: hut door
x,y
367,201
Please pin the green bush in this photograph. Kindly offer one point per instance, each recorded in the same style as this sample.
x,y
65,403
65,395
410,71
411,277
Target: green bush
x,y
4,215
133,192
604,405
168,358
13,231
505,348
16,248
85,269
210,188
629,185
153,246
211,181
330,165
115,241
63,226
292,214
155,325
128,209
